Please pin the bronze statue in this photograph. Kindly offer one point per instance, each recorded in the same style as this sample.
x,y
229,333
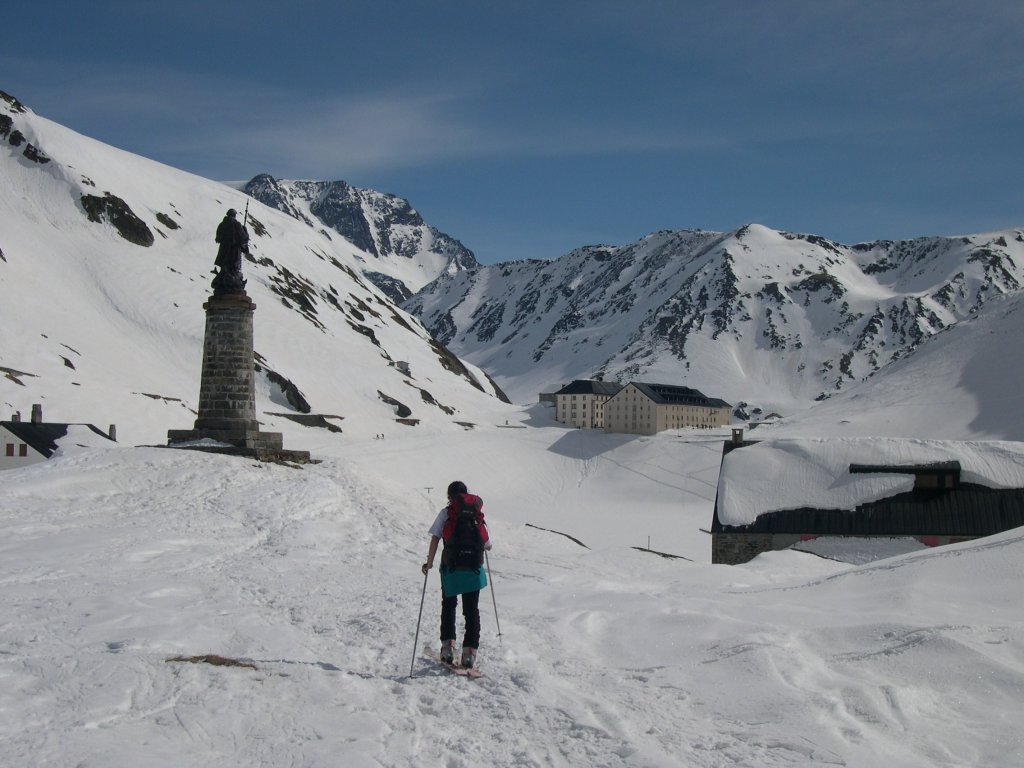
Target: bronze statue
x,y
234,241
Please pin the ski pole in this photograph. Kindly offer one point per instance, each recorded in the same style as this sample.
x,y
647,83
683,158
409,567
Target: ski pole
x,y
490,578
418,620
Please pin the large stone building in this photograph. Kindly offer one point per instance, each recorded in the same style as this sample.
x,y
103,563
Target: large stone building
x,y
646,409
637,408
581,403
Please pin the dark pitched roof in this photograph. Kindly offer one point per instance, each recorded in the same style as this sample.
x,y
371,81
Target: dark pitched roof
x,y
669,394
589,387
42,437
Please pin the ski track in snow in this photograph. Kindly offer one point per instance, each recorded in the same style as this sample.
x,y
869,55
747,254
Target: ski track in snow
x,y
116,561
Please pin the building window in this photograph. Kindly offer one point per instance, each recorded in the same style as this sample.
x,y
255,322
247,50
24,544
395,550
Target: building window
x,y
10,449
23,450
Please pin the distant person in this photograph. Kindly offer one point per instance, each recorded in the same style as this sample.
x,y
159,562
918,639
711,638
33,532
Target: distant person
x,y
462,528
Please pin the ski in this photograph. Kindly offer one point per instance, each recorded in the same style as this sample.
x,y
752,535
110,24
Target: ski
x,y
471,672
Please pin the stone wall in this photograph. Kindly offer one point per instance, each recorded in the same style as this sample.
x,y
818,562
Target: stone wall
x,y
736,548
227,390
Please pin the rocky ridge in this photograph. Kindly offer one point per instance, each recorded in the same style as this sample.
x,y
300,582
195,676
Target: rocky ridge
x,y
752,315
106,259
401,252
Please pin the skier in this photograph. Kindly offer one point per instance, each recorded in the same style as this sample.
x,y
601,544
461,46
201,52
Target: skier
x,y
462,528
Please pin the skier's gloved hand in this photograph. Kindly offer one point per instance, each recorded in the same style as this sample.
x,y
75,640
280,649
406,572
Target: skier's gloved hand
x,y
426,567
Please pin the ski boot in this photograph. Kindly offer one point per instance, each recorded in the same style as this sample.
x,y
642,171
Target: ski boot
x,y
468,657
448,651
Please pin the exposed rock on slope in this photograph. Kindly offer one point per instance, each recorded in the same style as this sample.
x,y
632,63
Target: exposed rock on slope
x,y
404,251
754,315
76,279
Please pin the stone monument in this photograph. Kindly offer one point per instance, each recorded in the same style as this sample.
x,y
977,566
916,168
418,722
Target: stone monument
x,y
227,387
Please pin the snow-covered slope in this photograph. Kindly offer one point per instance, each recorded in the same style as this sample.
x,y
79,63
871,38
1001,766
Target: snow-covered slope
x,y
403,252
754,316
105,262
114,563
962,384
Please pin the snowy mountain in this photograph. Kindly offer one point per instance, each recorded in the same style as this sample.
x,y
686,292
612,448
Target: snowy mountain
x,y
105,262
166,607
102,252
403,253
756,316
961,383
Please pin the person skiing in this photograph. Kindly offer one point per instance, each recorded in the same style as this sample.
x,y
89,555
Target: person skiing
x,y
461,526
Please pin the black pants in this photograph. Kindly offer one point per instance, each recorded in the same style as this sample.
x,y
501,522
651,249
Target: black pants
x,y
470,611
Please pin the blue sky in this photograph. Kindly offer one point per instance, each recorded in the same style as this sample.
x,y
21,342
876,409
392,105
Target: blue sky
x,y
526,129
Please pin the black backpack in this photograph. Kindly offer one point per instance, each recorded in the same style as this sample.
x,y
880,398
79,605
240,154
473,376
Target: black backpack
x,y
464,549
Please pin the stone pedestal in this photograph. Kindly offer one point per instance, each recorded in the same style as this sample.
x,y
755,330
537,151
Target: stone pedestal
x,y
227,389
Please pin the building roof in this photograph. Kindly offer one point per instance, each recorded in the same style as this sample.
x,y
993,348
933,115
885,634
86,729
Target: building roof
x,y
670,394
589,387
867,486
44,437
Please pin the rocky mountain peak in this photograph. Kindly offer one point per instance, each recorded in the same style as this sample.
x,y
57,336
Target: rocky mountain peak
x,y
402,253
131,242
757,315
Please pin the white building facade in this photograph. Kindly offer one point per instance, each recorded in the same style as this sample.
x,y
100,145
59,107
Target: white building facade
x,y
646,409
581,404
15,451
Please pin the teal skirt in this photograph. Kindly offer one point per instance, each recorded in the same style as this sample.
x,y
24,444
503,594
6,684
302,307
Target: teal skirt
x,y
459,582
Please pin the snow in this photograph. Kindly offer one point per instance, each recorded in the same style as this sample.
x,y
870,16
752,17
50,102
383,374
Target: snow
x,y
78,439
791,473
764,317
858,550
114,560
109,332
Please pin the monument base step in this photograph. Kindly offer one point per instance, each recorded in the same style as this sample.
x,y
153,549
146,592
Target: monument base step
x,y
263,446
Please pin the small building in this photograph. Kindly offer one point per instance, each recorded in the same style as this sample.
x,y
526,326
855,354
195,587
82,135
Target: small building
x,y
646,409
29,442
775,494
581,403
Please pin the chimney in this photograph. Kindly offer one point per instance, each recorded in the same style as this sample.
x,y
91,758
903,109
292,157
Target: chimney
x,y
112,434
37,413
737,435
16,416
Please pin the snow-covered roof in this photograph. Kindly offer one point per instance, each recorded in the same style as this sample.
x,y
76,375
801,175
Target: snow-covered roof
x,y
776,475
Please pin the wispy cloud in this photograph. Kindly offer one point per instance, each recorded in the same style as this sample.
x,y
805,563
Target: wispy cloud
x,y
724,79
225,124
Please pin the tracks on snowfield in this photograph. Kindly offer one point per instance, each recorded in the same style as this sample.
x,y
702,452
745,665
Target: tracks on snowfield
x,y
609,657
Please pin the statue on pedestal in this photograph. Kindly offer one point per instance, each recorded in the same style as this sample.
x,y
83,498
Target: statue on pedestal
x,y
234,241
